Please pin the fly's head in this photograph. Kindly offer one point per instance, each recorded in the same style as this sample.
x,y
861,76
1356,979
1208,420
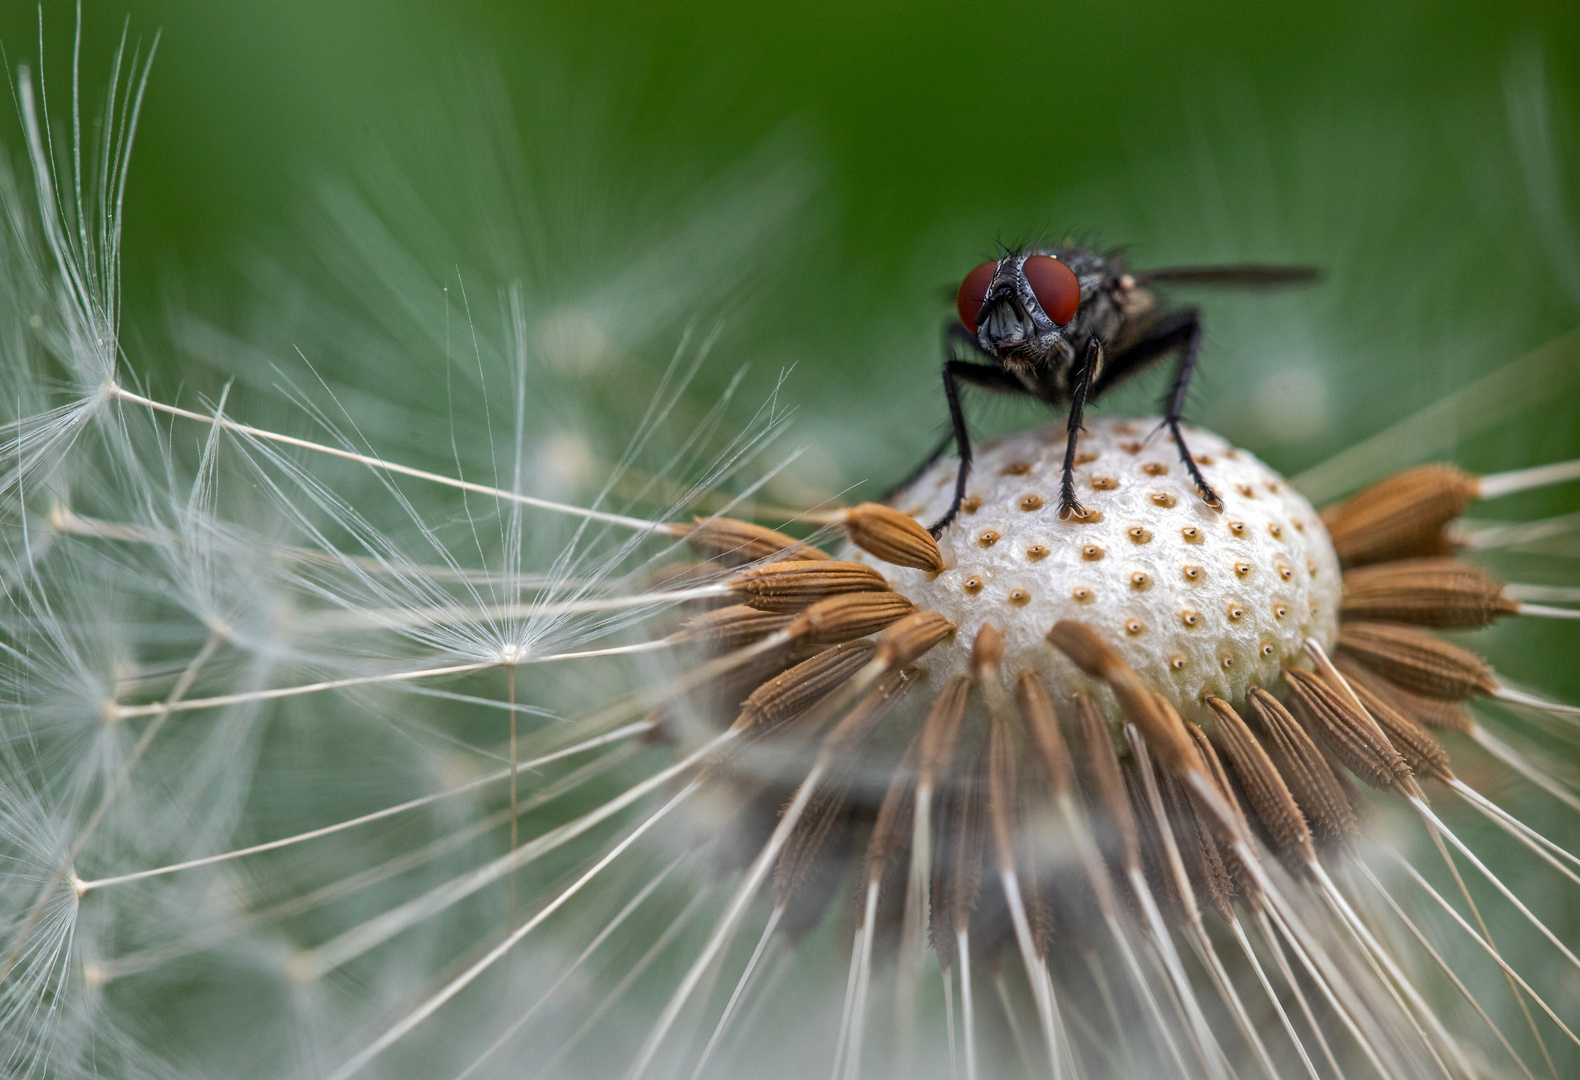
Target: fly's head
x,y
1018,307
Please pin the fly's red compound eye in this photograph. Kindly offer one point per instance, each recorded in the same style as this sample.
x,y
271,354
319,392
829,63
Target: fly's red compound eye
x,y
1054,285
973,290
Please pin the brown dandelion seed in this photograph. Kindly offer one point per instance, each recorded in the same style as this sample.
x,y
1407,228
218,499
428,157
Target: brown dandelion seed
x,y
911,637
1350,735
1426,592
1418,746
1204,865
848,616
797,690
1400,517
1431,712
1042,724
1263,784
890,832
736,543
1318,792
1240,881
796,870
1164,734
795,584
1093,752
940,730
893,537
1417,661
728,628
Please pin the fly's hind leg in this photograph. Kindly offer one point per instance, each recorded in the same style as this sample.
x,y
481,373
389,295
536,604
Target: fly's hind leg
x,y
1176,411
1180,332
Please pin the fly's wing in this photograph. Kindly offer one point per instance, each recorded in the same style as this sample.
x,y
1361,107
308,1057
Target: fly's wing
x,y
1246,274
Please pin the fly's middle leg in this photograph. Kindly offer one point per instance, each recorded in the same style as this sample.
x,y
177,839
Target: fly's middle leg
x,y
986,377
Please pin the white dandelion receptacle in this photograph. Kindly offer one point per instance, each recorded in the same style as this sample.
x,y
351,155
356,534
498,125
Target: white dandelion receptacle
x,y
1196,600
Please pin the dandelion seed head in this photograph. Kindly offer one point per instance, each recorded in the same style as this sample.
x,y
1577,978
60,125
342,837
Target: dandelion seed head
x,y
1160,574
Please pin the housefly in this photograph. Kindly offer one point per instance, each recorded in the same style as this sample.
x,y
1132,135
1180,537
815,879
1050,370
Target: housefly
x,y
1063,324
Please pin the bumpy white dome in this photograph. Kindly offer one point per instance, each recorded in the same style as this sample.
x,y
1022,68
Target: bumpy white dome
x,y
1198,602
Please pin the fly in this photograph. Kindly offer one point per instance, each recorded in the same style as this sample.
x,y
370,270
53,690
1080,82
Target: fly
x,y
1063,324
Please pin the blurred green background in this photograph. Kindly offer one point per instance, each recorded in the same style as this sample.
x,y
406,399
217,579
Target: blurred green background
x,y
924,113
934,128
1420,153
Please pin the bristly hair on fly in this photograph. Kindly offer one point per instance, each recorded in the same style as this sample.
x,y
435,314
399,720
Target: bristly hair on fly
x,y
456,691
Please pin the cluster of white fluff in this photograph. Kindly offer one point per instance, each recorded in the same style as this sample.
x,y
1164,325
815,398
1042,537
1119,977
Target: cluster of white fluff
x,y
217,635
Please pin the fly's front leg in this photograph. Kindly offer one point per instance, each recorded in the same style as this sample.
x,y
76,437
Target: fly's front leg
x,y
954,335
1176,410
1091,354
988,378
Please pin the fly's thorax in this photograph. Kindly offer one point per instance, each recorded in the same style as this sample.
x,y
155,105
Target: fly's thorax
x,y
1198,602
